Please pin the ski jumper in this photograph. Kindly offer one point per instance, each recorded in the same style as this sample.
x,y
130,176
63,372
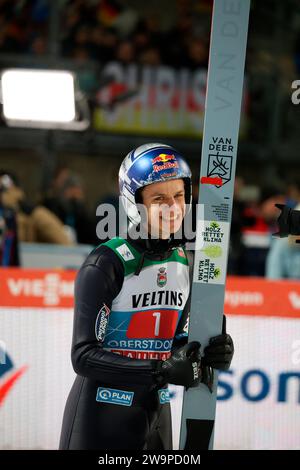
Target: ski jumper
x,y
123,322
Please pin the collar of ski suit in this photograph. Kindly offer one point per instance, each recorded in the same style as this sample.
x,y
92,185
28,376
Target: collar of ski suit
x,y
154,248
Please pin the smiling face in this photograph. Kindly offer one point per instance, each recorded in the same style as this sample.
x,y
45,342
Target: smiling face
x,y
165,205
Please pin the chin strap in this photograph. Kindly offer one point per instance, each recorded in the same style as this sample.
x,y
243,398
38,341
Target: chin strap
x,y
140,264
157,246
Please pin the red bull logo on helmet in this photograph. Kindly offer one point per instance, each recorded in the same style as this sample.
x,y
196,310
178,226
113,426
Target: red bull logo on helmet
x,y
163,158
164,161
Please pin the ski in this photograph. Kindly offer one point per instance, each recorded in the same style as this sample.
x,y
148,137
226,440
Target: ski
x,y
219,150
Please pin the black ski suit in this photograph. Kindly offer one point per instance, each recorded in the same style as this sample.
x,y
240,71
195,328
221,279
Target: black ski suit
x,y
89,423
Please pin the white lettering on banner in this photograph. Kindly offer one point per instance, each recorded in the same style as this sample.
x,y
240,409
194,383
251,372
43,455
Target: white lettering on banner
x,y
132,80
199,80
66,289
296,353
144,95
160,87
263,384
163,99
255,385
237,298
51,288
294,298
183,85
165,92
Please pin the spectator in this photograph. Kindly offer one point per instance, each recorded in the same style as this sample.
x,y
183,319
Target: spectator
x,y
125,52
34,223
9,249
38,46
103,30
197,53
152,25
283,260
141,39
150,56
269,197
82,36
293,193
20,21
257,234
176,41
97,38
110,40
67,203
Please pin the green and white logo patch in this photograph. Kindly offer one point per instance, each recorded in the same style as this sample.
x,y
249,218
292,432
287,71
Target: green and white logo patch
x,y
125,252
211,256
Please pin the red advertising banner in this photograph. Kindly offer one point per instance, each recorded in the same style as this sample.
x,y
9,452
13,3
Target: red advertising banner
x,y
36,288
262,297
55,288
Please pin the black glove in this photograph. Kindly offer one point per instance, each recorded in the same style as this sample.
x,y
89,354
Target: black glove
x,y
219,352
182,368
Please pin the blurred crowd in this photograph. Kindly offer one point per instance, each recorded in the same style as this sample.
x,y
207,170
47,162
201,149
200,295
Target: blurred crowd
x,y
24,26
62,217
106,30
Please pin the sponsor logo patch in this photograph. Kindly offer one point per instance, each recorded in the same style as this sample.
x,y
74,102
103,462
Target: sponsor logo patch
x,y
195,370
125,252
101,322
164,396
115,397
164,162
